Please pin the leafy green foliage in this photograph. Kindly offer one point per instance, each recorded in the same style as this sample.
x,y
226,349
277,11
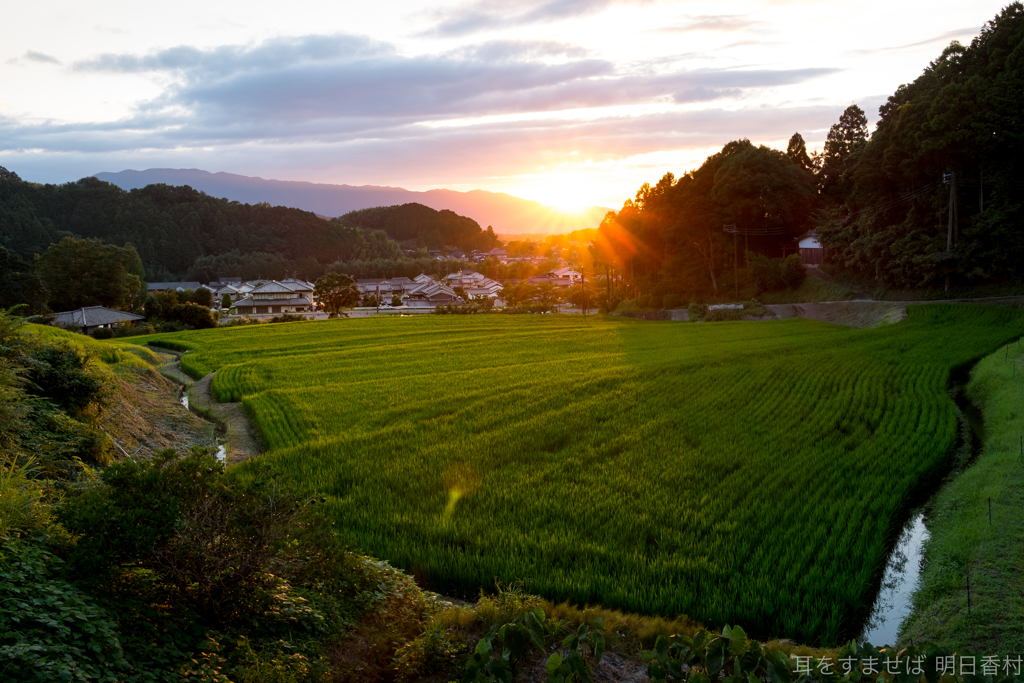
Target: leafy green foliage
x,y
733,658
58,373
19,285
962,116
427,227
773,274
51,630
335,291
529,632
179,232
656,442
87,272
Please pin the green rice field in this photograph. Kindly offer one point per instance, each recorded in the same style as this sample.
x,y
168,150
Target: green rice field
x,y
752,473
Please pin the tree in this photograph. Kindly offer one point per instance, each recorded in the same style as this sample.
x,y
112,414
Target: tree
x,y
844,140
19,285
202,297
336,291
225,300
797,151
87,272
193,316
581,296
396,300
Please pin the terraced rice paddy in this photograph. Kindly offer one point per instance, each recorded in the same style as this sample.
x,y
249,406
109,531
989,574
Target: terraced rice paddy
x,y
752,473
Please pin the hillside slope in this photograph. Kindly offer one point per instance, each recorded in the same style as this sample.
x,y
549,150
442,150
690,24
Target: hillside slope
x,y
507,214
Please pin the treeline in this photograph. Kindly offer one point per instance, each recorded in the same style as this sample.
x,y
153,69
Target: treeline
x,y
424,226
878,201
179,232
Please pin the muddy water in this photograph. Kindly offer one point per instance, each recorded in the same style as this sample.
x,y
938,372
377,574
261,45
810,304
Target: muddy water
x,y
893,602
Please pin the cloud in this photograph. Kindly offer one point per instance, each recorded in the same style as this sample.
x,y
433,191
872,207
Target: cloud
x,y
483,15
719,23
229,59
360,108
35,57
944,38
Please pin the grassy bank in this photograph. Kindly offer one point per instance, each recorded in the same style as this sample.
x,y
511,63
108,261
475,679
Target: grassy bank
x,y
964,544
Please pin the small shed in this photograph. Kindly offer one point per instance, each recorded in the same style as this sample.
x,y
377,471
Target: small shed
x,y
812,251
93,318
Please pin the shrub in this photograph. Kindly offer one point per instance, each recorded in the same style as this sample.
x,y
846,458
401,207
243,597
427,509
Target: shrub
x,y
193,316
792,271
643,301
59,375
697,312
171,515
670,301
773,274
654,301
49,629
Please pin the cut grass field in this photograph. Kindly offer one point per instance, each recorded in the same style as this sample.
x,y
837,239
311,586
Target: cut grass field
x,y
752,473
964,543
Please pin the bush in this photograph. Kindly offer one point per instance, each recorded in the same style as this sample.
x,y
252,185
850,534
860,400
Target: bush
x,y
123,330
49,629
59,375
670,301
193,316
654,301
697,312
774,274
793,272
643,301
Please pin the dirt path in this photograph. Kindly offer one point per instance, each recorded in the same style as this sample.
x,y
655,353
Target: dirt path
x,y
243,441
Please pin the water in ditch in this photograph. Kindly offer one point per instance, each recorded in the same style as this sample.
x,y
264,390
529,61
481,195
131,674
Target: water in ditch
x,y
903,570
901,574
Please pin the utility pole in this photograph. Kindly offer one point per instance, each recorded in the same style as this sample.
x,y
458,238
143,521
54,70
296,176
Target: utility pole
x,y
731,227
953,231
583,285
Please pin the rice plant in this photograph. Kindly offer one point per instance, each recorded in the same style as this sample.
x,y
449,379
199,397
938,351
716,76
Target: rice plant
x,y
753,473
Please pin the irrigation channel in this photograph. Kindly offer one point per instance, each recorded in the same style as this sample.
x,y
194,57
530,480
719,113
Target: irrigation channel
x,y
903,569
222,451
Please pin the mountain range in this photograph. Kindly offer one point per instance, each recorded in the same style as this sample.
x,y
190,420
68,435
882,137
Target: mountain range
x,y
505,213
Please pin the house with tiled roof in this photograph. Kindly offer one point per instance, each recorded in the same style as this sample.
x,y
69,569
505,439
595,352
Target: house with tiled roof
x,y
274,298
91,318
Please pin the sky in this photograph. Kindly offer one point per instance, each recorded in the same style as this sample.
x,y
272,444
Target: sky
x,y
567,102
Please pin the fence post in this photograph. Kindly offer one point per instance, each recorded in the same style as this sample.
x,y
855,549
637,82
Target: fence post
x,y
968,594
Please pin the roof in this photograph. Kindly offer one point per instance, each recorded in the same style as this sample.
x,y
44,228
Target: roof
x,y
249,301
161,286
562,272
91,316
283,286
809,233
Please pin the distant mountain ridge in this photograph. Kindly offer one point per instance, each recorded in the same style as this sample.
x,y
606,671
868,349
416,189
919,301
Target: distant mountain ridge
x,y
507,214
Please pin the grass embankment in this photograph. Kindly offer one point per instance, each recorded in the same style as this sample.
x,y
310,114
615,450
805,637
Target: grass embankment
x,y
964,545
736,472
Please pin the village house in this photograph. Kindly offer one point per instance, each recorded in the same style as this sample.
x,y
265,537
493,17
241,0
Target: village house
x,y
274,298
812,251
92,318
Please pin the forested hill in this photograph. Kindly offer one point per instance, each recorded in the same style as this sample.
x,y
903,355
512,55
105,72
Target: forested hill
x,y
880,201
430,228
179,231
